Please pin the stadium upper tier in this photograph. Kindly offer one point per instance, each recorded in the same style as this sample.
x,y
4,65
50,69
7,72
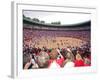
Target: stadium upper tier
x,y
28,23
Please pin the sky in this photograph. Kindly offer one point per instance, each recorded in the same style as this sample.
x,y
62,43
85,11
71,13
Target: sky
x,y
64,18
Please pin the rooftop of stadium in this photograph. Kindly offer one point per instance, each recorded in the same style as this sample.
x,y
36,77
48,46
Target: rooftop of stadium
x,y
37,25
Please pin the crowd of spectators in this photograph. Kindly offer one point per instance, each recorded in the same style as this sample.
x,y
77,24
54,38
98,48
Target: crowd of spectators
x,y
62,39
34,34
44,57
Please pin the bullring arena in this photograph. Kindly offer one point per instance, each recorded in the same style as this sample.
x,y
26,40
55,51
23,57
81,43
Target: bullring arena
x,y
50,36
56,46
